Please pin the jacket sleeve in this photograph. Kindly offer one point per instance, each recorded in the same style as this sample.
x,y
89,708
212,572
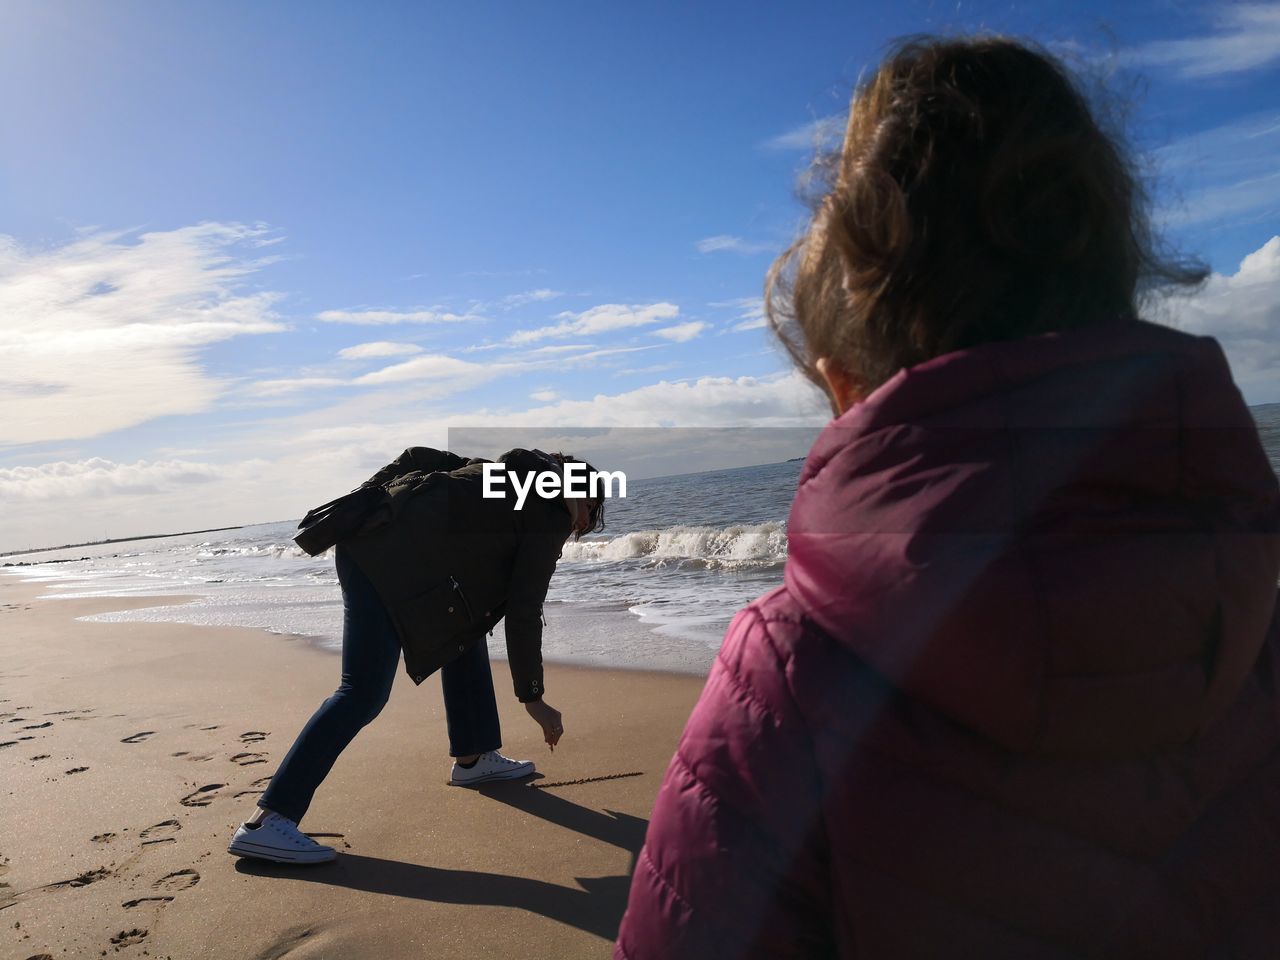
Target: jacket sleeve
x,y
530,576
541,539
426,459
733,864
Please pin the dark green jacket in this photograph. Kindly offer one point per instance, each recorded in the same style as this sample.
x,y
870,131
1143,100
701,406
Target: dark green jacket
x,y
449,563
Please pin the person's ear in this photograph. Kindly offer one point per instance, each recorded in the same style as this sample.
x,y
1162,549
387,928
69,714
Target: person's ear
x,y
841,388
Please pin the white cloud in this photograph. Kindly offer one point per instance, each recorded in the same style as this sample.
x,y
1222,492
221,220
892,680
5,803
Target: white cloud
x,y
820,134
1226,172
96,477
786,399
724,243
1243,312
750,315
104,332
1247,37
287,385
442,370
682,332
544,396
560,348
601,319
1243,200
530,296
586,359
435,376
378,349
383,317
1255,133
652,368
282,466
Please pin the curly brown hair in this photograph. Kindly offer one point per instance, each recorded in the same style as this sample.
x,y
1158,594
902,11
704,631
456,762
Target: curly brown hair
x,y
975,198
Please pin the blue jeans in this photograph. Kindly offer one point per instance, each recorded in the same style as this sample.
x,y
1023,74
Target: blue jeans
x,y
370,658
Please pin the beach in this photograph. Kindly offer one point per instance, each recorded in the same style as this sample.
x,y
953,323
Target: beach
x,y
130,751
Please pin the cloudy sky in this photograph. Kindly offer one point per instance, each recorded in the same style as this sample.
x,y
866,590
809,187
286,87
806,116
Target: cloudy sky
x,y
249,252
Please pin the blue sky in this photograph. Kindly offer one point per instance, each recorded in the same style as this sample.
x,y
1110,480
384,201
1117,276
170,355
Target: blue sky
x,y
248,252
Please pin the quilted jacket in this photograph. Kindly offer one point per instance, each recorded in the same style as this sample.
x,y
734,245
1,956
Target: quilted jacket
x,y
1017,697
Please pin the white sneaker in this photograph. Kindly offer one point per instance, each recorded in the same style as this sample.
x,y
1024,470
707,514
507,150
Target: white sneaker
x,y
278,839
490,766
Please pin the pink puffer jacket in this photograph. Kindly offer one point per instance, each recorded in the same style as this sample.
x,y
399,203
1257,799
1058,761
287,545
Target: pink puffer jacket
x,y
1018,696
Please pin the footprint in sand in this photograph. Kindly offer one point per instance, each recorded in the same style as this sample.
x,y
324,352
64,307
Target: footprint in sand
x,y
180,753
200,757
39,756
161,832
8,743
177,881
103,838
83,880
248,759
254,736
39,726
130,904
76,770
202,797
127,938
138,737
257,787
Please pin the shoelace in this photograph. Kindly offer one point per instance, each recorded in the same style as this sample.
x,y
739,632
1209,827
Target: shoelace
x,y
296,837
499,758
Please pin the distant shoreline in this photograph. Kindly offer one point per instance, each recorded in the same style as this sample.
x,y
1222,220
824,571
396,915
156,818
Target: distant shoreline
x,y
142,536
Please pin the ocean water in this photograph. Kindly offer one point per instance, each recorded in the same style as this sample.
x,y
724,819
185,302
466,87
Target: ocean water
x,y
656,589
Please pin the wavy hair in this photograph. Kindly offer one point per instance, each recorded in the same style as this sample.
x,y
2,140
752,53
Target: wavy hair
x,y
975,198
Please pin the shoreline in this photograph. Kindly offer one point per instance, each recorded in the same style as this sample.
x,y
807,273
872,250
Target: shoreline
x,y
634,641
131,750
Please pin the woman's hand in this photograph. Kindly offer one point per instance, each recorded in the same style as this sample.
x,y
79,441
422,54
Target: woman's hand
x,y
548,718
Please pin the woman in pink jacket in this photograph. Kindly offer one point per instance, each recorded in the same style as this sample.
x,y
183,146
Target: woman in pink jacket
x,y
1017,697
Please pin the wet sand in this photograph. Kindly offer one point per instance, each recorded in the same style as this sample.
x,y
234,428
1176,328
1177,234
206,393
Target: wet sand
x,y
129,752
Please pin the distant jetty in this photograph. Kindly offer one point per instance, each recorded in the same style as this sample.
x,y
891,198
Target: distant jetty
x,y
99,543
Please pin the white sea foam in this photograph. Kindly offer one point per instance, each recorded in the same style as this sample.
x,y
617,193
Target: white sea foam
x,y
682,554
273,550
753,545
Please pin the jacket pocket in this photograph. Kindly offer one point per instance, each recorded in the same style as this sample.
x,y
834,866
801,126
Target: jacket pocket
x,y
439,613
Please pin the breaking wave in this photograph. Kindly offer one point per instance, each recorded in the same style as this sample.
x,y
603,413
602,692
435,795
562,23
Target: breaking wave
x,y
274,550
755,545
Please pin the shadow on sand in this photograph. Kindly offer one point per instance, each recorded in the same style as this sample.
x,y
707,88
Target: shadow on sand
x,y
596,908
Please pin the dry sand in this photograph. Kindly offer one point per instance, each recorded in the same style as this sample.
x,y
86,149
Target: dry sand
x,y
130,751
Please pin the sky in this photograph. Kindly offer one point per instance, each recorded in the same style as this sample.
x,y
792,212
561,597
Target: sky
x,y
250,252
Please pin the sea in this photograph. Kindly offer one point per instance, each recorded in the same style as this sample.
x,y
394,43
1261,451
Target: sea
x,y
678,557
655,590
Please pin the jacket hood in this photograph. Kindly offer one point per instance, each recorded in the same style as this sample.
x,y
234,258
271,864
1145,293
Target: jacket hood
x,y
1067,543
